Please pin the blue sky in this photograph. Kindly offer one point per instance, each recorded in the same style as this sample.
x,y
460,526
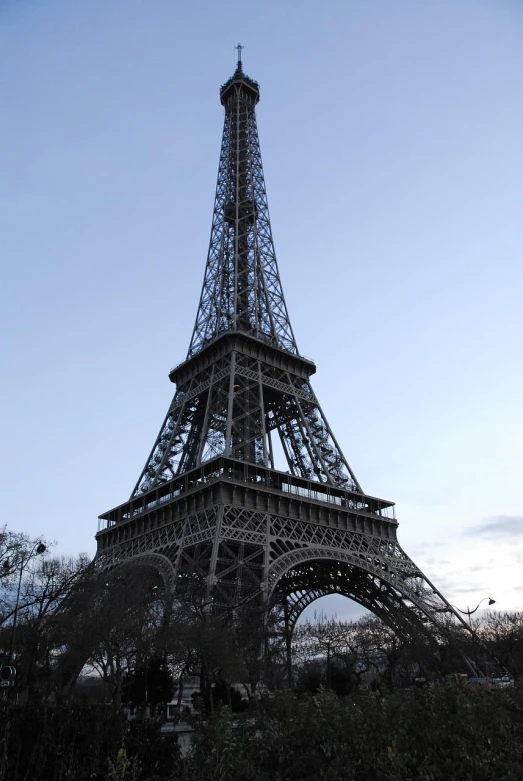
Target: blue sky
x,y
391,138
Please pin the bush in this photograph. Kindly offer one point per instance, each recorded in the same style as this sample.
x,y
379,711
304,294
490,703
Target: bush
x,y
440,733
82,742
435,734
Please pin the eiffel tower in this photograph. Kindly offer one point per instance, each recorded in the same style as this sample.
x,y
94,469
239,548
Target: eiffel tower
x,y
212,505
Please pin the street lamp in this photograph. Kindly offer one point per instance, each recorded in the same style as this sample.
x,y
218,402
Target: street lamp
x,y
37,548
468,612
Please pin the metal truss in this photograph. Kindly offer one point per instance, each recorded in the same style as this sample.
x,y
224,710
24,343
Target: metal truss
x,y
234,407
241,553
233,404
241,287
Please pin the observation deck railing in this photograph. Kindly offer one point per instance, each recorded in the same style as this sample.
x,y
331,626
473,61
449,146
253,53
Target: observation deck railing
x,y
248,474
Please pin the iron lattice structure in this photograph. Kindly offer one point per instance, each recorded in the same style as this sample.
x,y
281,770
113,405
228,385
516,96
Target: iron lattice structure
x,y
210,503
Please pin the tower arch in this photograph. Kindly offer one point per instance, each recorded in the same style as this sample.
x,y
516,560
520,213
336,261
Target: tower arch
x,y
301,576
151,560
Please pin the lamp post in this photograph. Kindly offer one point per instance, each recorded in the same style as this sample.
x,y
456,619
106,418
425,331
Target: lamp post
x,y
468,612
37,548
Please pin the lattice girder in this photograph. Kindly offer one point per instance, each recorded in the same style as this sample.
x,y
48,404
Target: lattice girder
x,y
251,553
231,407
241,288
227,408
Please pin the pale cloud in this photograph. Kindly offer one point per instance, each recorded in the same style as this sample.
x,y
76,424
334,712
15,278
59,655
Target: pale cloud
x,y
499,525
433,562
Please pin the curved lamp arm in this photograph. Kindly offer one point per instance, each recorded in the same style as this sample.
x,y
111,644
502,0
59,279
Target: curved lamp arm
x,y
470,612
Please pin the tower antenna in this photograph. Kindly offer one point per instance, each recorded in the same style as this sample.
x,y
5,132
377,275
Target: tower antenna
x,y
239,47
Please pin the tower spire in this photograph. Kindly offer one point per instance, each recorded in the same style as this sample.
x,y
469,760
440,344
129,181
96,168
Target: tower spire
x,y
239,47
241,289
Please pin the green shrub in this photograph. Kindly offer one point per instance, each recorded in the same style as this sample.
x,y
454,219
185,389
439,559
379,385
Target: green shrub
x,y
444,733
440,733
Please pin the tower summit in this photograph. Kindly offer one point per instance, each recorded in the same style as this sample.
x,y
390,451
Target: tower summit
x,y
241,289
213,504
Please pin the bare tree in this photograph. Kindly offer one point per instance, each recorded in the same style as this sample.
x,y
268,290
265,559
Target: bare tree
x,y
130,611
36,639
18,553
503,635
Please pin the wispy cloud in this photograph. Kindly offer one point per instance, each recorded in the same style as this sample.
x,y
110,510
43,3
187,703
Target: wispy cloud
x,y
433,562
470,586
499,525
457,583
425,547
